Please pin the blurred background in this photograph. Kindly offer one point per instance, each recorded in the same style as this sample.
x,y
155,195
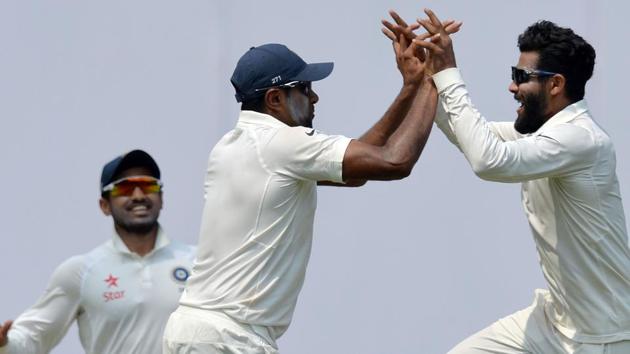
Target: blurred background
x,y
412,266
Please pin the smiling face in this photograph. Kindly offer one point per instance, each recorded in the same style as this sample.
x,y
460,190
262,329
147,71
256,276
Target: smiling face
x,y
533,97
135,213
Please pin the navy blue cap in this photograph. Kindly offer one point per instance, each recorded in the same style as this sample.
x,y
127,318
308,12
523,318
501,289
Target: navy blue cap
x,y
272,65
135,158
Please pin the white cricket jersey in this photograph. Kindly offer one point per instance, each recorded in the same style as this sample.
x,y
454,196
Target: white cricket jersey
x,y
571,197
257,223
120,300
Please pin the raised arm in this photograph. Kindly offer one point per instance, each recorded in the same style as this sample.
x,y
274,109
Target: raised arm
x,y
380,132
396,158
495,151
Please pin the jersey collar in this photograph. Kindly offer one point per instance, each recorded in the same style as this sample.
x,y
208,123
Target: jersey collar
x,y
161,241
257,118
569,113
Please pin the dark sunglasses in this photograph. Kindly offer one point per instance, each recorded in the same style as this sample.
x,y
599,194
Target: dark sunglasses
x,y
126,186
520,76
303,86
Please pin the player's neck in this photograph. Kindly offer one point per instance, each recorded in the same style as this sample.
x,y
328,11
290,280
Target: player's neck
x,y
140,243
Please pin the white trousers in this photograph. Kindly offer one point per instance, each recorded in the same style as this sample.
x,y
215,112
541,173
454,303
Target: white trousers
x,y
530,331
194,331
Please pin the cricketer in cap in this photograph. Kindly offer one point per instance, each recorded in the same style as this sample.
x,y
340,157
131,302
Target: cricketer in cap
x,y
122,292
261,188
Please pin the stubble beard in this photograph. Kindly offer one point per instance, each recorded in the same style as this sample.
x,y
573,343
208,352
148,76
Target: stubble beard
x,y
144,226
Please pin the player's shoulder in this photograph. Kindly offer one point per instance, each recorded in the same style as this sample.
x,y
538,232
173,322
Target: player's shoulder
x,y
75,262
70,272
300,131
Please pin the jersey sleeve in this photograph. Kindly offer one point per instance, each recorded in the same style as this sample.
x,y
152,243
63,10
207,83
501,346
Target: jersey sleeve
x,y
497,152
503,130
42,326
306,154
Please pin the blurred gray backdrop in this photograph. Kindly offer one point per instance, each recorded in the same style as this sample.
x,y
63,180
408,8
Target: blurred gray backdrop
x,y
411,266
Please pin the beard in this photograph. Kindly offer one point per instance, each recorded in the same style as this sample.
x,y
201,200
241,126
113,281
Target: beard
x,y
135,226
533,113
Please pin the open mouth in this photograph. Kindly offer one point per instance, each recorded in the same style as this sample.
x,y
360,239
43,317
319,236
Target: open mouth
x,y
520,108
139,209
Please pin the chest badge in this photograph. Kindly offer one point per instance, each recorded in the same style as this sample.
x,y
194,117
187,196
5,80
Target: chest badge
x,y
180,274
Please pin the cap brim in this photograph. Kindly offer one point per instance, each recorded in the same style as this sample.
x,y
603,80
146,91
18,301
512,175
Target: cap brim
x,y
314,72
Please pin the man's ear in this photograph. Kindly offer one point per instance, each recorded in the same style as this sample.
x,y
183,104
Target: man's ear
x,y
558,83
274,100
105,206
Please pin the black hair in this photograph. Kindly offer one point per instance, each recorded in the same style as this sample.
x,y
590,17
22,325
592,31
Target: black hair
x,y
561,51
256,104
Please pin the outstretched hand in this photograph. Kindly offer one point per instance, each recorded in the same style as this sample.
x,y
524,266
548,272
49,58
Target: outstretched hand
x,y
4,333
439,44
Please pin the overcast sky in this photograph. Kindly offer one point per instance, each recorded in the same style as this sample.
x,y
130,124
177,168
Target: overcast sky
x,y
412,266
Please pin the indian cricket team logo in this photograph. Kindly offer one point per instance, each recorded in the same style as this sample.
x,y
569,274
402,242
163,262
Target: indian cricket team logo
x,y
180,274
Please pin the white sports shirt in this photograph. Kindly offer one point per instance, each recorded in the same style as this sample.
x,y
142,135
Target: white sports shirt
x,y
571,197
120,300
257,223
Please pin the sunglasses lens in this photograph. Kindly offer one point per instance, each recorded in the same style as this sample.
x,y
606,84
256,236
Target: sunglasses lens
x,y
128,186
303,86
307,88
519,76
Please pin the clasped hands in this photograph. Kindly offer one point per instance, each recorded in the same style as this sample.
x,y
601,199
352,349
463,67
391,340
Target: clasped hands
x,y
421,55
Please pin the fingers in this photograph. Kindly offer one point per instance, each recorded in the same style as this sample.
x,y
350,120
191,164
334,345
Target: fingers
x,y
397,18
412,27
394,29
397,49
404,43
424,36
434,19
417,51
429,46
452,27
389,34
428,26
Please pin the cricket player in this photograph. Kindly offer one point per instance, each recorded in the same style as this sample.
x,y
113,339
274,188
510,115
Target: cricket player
x,y
122,292
570,192
261,190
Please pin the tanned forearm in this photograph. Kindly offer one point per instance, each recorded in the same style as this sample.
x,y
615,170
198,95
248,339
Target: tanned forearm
x,y
380,132
406,144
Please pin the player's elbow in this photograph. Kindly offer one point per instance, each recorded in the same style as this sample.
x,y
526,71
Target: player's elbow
x,y
479,167
400,169
485,170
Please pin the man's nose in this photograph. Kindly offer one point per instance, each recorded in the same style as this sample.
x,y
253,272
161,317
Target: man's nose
x,y
314,97
138,193
513,87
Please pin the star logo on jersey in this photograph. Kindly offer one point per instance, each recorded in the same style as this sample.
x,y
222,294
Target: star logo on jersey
x,y
111,281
